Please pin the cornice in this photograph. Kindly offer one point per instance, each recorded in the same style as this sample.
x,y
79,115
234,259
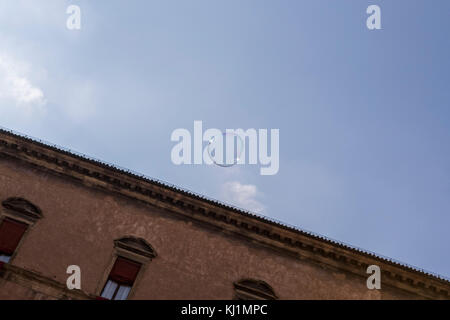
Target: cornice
x,y
294,242
39,283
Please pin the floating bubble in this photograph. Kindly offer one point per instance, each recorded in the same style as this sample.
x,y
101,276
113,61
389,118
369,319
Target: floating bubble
x,y
226,149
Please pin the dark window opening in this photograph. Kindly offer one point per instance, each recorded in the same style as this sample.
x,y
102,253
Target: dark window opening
x,y
11,232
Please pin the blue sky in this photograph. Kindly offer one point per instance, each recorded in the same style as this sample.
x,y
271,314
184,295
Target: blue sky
x,y
363,115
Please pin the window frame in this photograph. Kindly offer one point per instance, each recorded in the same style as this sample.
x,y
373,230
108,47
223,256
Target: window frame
x,y
124,251
3,219
15,214
116,290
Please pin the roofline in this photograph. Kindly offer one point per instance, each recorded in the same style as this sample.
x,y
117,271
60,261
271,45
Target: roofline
x,y
219,204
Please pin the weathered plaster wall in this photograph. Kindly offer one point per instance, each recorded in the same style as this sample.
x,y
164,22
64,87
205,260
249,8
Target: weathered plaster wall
x,y
194,261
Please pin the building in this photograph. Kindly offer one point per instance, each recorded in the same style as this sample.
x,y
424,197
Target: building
x,y
137,238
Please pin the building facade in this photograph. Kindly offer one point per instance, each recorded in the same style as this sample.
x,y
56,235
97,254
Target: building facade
x,y
136,238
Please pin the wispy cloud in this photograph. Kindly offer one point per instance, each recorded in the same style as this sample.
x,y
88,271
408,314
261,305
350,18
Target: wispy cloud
x,y
243,196
16,89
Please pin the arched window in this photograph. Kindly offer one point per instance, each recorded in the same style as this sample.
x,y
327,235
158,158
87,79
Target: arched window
x,y
15,219
131,254
250,289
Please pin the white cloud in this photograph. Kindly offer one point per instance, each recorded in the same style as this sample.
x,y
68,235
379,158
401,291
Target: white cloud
x,y
243,196
16,89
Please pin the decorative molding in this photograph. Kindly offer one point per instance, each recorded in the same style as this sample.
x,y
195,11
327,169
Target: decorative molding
x,y
296,243
22,208
250,289
41,284
137,246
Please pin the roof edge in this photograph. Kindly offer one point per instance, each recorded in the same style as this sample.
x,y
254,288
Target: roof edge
x,y
213,202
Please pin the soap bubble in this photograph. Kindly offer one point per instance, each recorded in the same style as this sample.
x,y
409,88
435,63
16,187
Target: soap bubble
x,y
225,150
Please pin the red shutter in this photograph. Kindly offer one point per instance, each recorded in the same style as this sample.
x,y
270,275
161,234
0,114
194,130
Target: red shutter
x,y
11,232
124,271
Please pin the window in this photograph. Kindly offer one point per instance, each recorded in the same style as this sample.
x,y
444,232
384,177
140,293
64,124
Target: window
x,y
11,232
121,279
16,216
129,261
249,289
